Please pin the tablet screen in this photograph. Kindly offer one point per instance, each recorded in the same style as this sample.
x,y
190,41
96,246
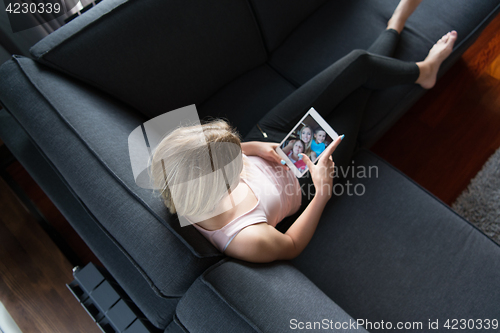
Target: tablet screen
x,y
310,136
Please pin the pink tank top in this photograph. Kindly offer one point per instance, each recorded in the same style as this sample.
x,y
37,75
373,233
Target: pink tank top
x,y
278,196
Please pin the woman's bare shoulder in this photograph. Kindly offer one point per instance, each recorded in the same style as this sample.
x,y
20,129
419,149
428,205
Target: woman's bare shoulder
x,y
260,242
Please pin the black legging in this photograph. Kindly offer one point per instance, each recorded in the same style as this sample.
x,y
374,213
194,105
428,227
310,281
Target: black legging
x,y
339,94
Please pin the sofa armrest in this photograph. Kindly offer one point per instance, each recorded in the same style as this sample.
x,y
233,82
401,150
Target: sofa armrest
x,y
243,297
80,136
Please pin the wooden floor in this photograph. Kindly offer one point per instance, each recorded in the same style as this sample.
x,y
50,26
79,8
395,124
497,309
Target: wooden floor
x,y
51,214
33,274
441,143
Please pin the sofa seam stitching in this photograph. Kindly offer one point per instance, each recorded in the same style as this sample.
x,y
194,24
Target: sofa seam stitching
x,y
256,20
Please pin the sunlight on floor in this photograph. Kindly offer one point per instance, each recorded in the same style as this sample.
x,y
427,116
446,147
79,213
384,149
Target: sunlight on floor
x,y
494,68
7,324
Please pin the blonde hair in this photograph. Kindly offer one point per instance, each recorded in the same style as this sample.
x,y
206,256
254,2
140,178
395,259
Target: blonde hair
x,y
195,165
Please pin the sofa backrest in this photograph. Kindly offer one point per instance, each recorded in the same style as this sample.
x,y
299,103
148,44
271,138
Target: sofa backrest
x,y
277,18
157,55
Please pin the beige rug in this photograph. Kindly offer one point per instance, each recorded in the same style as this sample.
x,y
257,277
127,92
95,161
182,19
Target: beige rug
x,y
480,202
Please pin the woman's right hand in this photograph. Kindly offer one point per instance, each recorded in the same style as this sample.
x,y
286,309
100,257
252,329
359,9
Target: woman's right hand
x,y
322,172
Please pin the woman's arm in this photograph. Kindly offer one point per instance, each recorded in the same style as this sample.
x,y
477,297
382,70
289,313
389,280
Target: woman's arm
x,y
250,148
266,150
263,243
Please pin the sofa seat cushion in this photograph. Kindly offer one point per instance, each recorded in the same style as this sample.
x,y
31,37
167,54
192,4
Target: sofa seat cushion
x,y
396,253
157,55
84,133
248,98
338,27
237,296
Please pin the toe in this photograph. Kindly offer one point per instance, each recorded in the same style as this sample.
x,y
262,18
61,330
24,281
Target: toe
x,y
452,37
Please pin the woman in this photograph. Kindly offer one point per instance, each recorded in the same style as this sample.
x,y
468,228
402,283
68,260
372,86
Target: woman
x,y
305,135
237,200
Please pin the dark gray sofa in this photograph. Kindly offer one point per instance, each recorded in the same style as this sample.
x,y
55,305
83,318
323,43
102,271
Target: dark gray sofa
x,y
393,254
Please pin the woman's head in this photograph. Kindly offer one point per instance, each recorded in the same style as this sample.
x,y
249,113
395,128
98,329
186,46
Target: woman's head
x,y
187,167
298,147
305,134
319,135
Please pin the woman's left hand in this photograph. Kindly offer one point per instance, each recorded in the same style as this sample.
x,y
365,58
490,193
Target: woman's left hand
x,y
266,150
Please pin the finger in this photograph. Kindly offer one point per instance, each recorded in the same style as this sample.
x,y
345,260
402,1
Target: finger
x,y
308,162
329,162
331,148
275,157
332,170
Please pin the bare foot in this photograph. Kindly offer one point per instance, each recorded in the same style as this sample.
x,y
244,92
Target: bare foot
x,y
402,12
438,53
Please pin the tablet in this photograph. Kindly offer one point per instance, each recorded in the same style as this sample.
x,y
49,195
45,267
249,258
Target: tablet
x,y
310,136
